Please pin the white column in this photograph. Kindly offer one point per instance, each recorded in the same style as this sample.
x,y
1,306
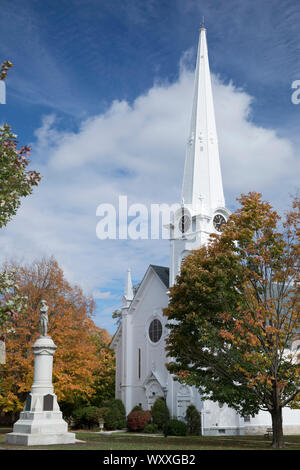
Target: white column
x,y
126,360
43,350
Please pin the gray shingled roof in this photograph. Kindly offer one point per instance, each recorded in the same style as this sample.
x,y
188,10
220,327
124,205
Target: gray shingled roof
x,y
162,272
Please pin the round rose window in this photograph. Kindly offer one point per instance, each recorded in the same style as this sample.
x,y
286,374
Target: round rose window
x,y
155,330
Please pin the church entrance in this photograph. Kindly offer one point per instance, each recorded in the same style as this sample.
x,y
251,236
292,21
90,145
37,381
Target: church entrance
x,y
153,391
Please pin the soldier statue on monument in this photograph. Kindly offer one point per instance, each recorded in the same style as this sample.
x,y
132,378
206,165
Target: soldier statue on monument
x,y
43,321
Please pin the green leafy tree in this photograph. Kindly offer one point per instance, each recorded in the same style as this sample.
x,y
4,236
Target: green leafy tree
x,y
234,313
16,181
12,302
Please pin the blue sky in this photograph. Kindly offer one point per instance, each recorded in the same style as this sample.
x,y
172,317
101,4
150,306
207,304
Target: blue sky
x,y
102,92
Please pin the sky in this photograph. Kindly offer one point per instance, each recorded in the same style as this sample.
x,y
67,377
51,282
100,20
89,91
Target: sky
x,y
102,92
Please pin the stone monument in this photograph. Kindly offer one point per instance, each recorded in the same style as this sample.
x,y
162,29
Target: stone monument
x,y
41,421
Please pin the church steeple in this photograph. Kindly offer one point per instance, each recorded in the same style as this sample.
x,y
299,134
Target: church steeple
x,y
203,210
202,186
128,292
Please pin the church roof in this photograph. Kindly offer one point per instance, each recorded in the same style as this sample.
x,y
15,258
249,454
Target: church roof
x,y
162,272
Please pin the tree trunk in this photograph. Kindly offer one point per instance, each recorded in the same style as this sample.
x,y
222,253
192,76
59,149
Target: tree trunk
x,y
277,442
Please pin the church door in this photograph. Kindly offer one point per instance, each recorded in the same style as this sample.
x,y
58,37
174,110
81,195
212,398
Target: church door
x,y
153,391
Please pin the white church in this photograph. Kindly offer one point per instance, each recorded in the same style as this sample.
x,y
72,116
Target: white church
x,y
139,343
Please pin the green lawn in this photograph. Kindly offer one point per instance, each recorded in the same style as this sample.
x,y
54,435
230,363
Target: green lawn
x,y
128,441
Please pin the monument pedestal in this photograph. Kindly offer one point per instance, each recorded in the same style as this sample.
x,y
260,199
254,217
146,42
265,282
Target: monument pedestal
x,y
41,421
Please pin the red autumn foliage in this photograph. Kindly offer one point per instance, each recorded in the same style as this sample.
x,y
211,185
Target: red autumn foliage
x,y
137,420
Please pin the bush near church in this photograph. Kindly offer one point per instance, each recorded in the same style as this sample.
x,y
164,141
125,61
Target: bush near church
x,y
158,413
175,427
151,428
138,419
86,417
114,414
193,420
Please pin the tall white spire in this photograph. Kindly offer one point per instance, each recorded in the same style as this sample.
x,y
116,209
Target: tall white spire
x,y
202,183
128,292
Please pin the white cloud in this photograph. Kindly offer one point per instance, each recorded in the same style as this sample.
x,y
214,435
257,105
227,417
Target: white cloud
x,y
252,157
99,295
136,151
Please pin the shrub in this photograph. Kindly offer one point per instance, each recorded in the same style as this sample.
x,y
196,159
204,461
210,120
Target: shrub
x,y
136,408
102,412
176,428
112,419
158,413
137,420
193,420
151,428
87,416
115,403
114,414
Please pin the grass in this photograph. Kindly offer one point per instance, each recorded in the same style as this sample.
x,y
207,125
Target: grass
x,y
128,441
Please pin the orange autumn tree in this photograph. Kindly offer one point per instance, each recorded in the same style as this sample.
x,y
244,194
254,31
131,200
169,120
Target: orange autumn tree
x,y
71,327
104,374
234,314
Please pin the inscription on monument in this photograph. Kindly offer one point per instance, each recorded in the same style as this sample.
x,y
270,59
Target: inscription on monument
x,y
28,403
48,403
